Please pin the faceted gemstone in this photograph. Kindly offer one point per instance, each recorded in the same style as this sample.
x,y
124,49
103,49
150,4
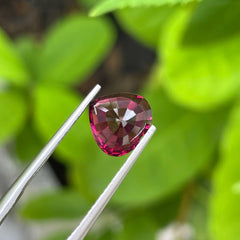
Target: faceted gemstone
x,y
119,121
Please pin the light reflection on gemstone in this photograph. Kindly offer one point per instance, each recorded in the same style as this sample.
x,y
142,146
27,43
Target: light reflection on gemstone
x,y
119,121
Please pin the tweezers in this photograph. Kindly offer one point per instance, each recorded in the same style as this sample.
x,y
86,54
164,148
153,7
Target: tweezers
x,y
16,190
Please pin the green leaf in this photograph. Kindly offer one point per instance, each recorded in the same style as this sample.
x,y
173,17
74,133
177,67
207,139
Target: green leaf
x,y
29,51
213,20
197,208
200,77
65,234
105,6
12,68
143,222
73,48
145,24
28,144
57,204
182,145
106,235
139,225
225,209
87,3
12,114
58,236
53,105
165,211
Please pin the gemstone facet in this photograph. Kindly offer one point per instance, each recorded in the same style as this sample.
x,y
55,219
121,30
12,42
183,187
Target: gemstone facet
x,y
119,121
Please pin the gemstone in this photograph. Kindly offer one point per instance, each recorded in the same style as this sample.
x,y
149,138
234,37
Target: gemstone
x,y
118,122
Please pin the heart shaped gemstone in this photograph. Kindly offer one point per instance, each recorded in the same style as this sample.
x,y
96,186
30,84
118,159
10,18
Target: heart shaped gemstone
x,y
119,121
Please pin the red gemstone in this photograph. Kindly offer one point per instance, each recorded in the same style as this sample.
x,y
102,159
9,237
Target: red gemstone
x,y
119,121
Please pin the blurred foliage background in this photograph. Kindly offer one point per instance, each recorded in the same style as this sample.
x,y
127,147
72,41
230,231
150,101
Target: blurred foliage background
x,y
183,56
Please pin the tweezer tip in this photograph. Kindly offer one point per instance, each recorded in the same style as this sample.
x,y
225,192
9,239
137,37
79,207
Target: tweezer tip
x,y
98,86
152,129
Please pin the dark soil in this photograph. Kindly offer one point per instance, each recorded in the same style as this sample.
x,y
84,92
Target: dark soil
x,y
20,17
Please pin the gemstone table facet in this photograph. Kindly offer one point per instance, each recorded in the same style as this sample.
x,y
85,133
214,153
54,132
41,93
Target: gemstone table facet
x,y
119,121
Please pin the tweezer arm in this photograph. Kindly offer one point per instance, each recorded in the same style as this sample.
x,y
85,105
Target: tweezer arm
x,y
81,231
16,190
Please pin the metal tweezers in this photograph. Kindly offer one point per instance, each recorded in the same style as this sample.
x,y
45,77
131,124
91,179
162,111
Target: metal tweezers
x,y
16,190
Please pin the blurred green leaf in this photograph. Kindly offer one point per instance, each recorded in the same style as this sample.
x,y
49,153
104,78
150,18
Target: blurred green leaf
x,y
198,209
58,236
57,204
28,144
86,178
225,209
213,20
105,6
200,77
12,114
65,234
106,235
165,211
53,105
135,224
73,48
29,51
87,3
143,222
146,23
138,226
12,68
183,143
